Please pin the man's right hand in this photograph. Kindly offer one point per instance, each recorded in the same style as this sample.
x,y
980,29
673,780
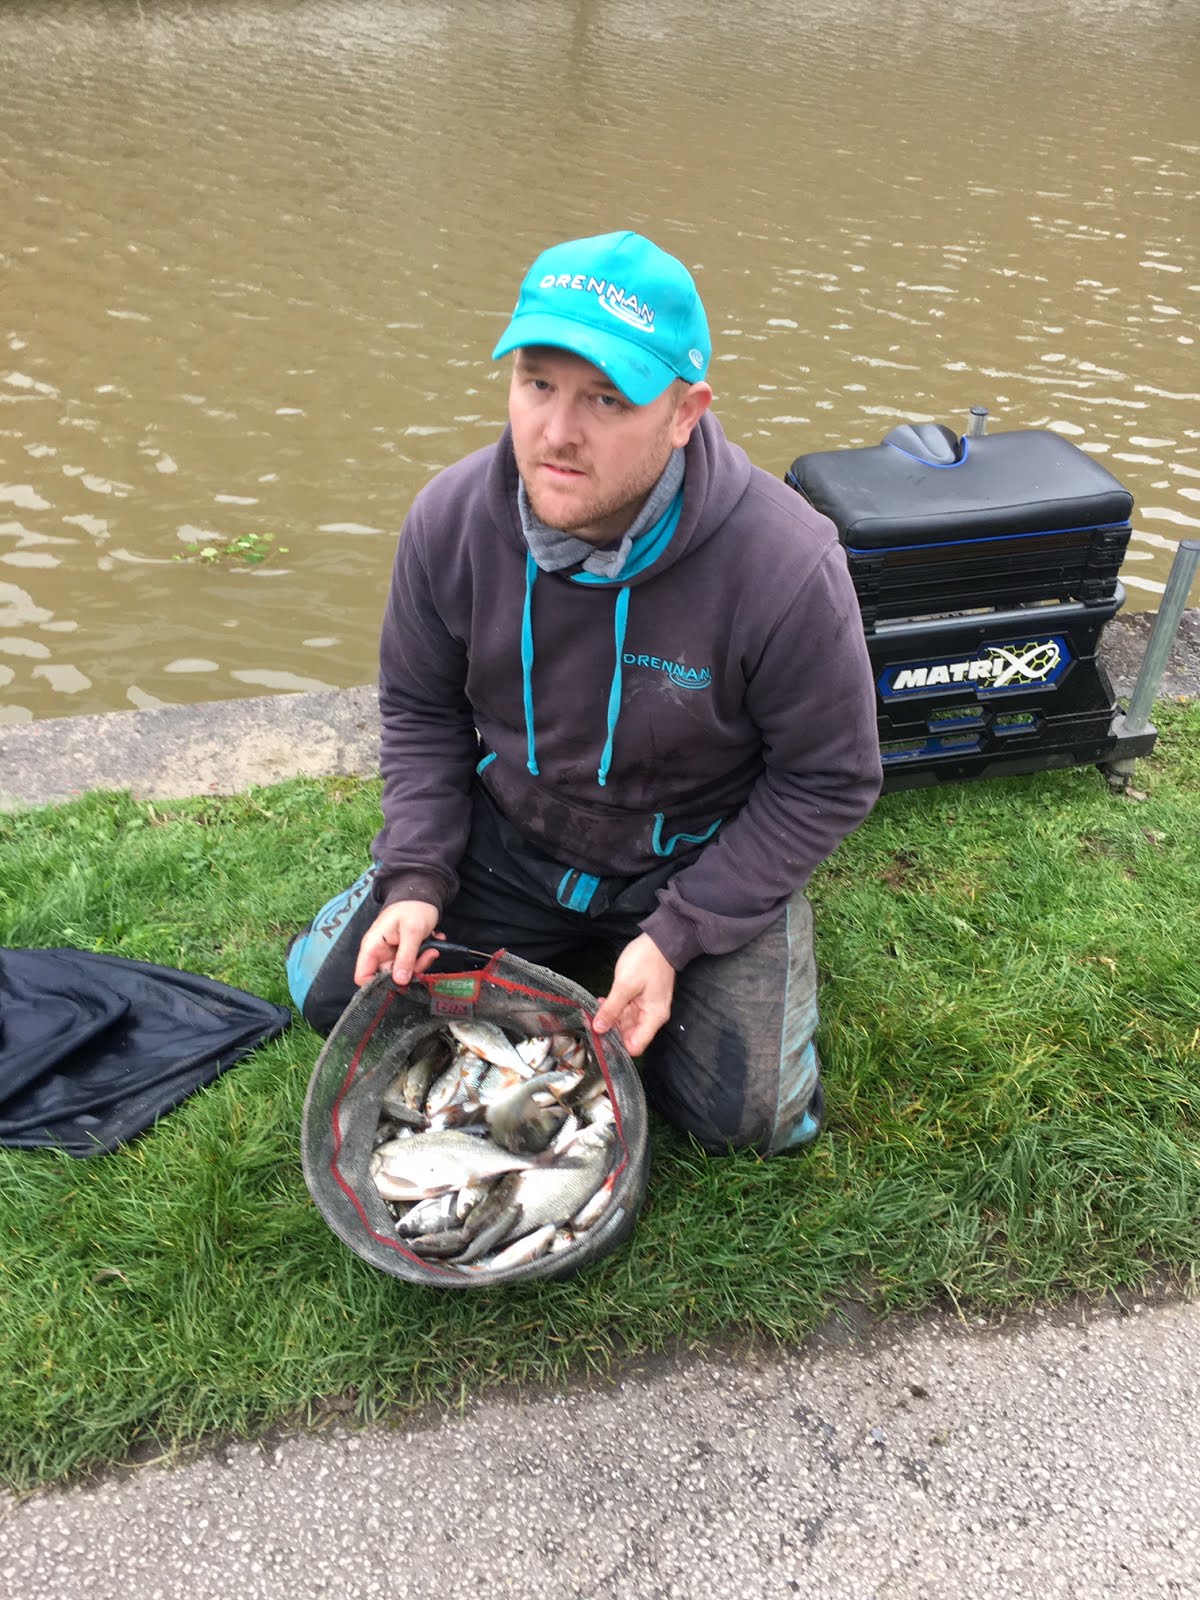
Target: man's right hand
x,y
394,939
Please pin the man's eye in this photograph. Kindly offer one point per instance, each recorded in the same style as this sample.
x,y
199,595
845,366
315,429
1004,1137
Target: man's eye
x,y
609,402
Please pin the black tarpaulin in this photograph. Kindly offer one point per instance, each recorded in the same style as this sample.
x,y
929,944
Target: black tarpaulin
x,y
95,1048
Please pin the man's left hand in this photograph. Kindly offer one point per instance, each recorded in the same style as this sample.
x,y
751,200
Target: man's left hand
x,y
639,1001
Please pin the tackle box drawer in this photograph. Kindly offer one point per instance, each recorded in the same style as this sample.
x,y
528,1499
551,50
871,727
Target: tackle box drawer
x,y
1018,690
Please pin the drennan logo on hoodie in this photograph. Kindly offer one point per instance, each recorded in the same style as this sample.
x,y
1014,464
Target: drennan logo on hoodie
x,y
683,677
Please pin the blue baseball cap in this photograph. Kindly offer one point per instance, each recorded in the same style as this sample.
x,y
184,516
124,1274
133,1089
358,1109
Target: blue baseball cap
x,y
619,302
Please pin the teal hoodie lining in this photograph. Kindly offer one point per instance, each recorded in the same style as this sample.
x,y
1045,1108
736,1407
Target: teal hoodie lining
x,y
647,547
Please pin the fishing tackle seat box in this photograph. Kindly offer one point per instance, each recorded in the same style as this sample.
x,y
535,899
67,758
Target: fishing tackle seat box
x,y
985,569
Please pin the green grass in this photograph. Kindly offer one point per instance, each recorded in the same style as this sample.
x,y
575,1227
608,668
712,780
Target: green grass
x,y
1011,1006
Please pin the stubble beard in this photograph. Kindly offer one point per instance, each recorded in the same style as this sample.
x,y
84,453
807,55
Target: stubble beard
x,y
619,506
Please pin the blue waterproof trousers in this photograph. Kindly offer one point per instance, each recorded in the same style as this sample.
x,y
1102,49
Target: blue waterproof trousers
x,y
734,1065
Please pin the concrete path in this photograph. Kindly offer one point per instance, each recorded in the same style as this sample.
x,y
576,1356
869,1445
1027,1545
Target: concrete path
x,y
1049,1458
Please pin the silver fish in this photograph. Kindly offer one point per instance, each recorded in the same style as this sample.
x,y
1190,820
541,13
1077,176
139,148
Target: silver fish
x,y
524,1250
393,1095
400,1112
490,1223
499,1080
592,1210
496,1231
461,1114
487,1224
593,1081
458,1084
430,1057
486,1040
568,1051
533,1051
428,1216
599,1111
449,1243
517,1114
436,1163
556,1192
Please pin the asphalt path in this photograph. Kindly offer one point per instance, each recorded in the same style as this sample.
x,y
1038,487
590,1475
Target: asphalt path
x,y
1052,1457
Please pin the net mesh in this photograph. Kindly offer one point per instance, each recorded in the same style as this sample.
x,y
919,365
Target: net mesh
x,y
379,1030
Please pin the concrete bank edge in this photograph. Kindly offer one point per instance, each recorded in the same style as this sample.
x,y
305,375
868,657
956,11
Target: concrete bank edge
x,y
226,746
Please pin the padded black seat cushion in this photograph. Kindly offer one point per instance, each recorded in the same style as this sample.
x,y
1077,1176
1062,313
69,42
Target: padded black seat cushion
x,y
1026,481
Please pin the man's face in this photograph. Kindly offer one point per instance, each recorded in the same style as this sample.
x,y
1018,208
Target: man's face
x,y
587,455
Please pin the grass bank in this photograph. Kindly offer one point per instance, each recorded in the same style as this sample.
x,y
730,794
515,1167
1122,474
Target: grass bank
x,y
1011,1025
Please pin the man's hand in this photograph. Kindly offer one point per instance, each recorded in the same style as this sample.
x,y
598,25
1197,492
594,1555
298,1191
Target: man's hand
x,y
393,940
639,1001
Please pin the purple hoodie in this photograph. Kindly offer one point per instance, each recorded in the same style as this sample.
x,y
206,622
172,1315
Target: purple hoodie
x,y
720,696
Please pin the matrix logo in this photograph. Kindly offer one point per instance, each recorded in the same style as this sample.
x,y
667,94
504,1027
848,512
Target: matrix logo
x,y
994,669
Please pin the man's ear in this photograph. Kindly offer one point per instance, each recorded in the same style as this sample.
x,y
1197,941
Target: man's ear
x,y
689,411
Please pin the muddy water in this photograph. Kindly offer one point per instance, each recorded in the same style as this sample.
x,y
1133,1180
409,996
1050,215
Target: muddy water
x,y
254,255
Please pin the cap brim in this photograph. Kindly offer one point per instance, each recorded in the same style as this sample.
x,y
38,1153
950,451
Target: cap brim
x,y
640,376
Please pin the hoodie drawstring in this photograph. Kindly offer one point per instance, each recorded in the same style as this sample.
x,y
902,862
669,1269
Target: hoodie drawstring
x,y
531,572
620,617
614,693
647,547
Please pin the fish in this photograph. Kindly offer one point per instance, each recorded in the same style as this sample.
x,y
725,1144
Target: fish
x,y
458,1085
424,1063
592,1210
526,1249
489,1223
405,1115
429,1216
499,1080
486,1040
554,1193
393,1096
533,1052
431,1164
490,1154
496,1231
598,1112
512,1116
568,1051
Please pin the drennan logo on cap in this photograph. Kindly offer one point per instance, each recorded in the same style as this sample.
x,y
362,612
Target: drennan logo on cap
x,y
993,669
618,302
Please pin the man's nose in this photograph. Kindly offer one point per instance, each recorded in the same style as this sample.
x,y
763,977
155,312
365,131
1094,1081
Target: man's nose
x,y
563,422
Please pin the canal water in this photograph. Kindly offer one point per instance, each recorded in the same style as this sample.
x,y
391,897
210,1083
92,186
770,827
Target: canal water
x,y
254,255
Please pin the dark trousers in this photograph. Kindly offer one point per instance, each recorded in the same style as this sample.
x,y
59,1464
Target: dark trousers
x,y
734,1065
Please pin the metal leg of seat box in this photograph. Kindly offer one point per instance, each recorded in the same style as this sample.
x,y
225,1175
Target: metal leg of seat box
x,y
1133,730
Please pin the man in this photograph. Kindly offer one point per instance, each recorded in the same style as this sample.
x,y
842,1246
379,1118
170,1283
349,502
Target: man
x,y
624,694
